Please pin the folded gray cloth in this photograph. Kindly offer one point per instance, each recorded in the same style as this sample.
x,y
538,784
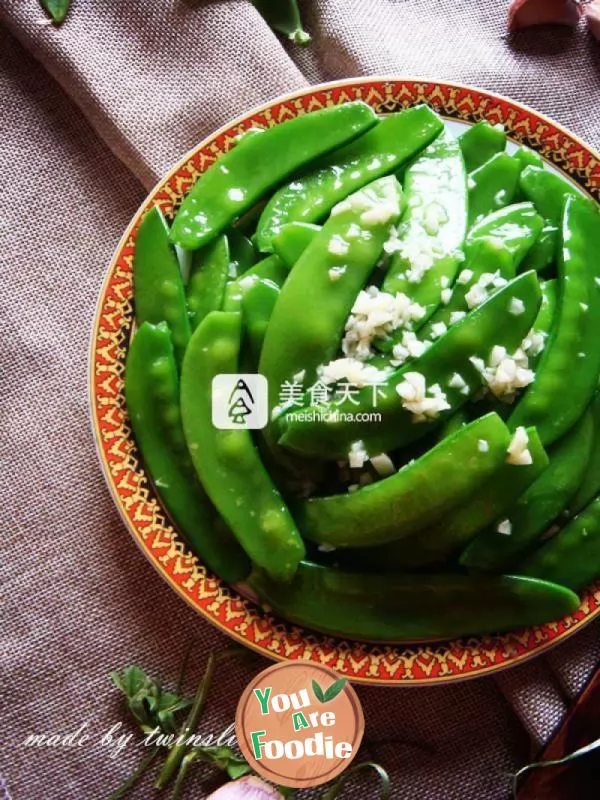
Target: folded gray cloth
x,y
93,113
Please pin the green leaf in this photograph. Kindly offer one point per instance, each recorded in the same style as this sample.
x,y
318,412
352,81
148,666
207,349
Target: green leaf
x,y
57,9
583,751
335,689
148,704
318,692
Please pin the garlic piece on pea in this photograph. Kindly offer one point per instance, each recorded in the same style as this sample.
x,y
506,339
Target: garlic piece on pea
x,y
527,13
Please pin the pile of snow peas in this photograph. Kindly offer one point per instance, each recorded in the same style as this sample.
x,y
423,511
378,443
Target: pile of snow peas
x,y
425,308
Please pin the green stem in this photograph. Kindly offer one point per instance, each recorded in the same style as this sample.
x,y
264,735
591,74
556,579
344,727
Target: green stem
x,y
179,750
128,784
334,790
188,760
588,748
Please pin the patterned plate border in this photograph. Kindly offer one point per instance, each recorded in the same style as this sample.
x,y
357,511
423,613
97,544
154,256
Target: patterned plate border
x,y
390,665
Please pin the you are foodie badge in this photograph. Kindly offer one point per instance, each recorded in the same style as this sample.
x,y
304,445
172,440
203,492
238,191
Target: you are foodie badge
x,y
299,725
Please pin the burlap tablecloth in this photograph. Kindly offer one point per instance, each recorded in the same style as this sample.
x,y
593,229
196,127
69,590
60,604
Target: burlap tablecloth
x,y
92,114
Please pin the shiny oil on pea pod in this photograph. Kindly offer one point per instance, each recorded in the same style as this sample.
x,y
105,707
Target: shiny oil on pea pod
x,y
152,396
245,174
493,186
159,294
417,496
480,143
496,246
535,510
381,151
548,192
226,460
395,608
572,556
309,317
433,228
292,240
589,486
444,539
567,373
328,431
208,277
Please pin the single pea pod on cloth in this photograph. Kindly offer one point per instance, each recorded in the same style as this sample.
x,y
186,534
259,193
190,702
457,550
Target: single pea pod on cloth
x,y
480,143
397,608
328,431
493,186
496,549
152,396
308,319
244,175
158,285
432,231
488,503
284,17
571,353
381,151
420,494
226,461
571,556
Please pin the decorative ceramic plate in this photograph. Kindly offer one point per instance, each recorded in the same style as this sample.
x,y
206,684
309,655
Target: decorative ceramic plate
x,y
392,665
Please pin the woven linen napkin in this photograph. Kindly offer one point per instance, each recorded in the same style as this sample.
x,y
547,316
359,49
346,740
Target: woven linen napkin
x,y
93,113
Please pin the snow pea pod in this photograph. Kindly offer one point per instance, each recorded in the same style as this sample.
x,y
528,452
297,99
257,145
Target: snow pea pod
x,y
271,269
284,16
571,353
208,278
259,291
528,157
480,143
543,501
258,303
326,280
292,240
487,504
493,186
514,227
381,151
242,253
589,485
433,228
548,191
392,608
418,495
498,245
152,395
226,461
326,432
159,291
243,175
543,253
572,556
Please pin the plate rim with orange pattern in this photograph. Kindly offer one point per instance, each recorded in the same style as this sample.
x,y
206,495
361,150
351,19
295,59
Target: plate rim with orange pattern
x,y
402,664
